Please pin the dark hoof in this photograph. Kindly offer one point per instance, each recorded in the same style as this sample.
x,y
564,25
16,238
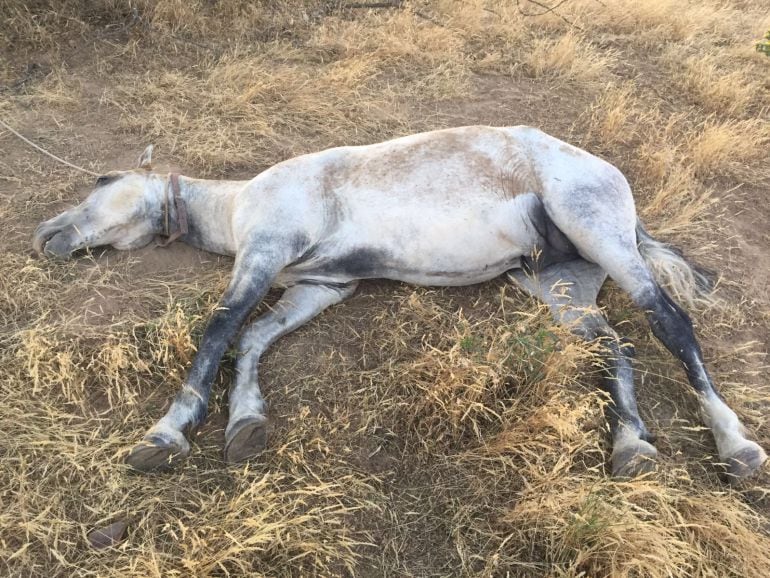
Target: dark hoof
x,y
248,437
634,460
154,454
745,462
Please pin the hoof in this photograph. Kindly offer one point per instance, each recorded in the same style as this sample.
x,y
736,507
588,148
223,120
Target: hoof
x,y
744,462
634,459
247,438
154,453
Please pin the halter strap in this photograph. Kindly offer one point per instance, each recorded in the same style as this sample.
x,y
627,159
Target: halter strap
x,y
181,212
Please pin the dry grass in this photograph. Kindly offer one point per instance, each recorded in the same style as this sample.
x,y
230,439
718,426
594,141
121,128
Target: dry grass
x,y
614,118
567,57
250,105
727,147
718,90
416,432
657,22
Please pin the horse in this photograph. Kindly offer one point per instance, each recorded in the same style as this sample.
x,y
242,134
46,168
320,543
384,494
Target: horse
x,y
444,208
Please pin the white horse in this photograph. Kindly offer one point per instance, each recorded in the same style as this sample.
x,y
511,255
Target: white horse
x,y
449,207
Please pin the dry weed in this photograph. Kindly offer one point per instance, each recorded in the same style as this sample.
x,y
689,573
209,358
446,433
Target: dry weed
x,y
654,22
715,89
642,529
569,57
248,108
729,147
614,119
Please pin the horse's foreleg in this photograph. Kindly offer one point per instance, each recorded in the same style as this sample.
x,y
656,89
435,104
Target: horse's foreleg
x,y
246,429
570,289
166,441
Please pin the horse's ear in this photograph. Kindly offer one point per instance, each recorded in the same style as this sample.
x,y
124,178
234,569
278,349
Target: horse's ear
x,y
145,161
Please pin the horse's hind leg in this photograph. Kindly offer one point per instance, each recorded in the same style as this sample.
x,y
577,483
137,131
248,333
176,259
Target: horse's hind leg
x,y
570,288
673,327
599,218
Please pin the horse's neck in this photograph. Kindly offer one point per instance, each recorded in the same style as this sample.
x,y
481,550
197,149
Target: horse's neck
x,y
209,213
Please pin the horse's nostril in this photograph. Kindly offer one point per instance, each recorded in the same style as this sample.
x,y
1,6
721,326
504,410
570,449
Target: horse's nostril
x,y
41,238
58,246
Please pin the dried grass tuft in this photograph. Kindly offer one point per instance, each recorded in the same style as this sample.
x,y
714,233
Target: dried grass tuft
x,y
717,89
729,147
569,56
655,22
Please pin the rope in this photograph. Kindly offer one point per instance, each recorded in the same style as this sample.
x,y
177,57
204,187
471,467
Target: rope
x,y
45,152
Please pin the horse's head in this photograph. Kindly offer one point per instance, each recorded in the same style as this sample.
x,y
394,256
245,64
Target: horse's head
x,y
121,211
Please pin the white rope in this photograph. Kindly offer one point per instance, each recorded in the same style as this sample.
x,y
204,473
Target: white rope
x,y
45,152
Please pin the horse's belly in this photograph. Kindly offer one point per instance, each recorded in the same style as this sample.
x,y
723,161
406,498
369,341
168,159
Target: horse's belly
x,y
424,246
457,256
456,276
376,263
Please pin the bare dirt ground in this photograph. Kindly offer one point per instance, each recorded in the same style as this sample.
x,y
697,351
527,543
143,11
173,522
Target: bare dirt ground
x,y
415,431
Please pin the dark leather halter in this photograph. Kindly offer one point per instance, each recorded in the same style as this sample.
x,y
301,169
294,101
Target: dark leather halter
x,y
181,212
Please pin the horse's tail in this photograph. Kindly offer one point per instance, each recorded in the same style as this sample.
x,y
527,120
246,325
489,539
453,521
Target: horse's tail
x,y
688,282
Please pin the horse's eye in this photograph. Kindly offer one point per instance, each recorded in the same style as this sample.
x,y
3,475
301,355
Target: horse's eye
x,y
103,180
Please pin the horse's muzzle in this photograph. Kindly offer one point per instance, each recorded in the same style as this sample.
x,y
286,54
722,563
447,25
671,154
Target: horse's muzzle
x,y
53,241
